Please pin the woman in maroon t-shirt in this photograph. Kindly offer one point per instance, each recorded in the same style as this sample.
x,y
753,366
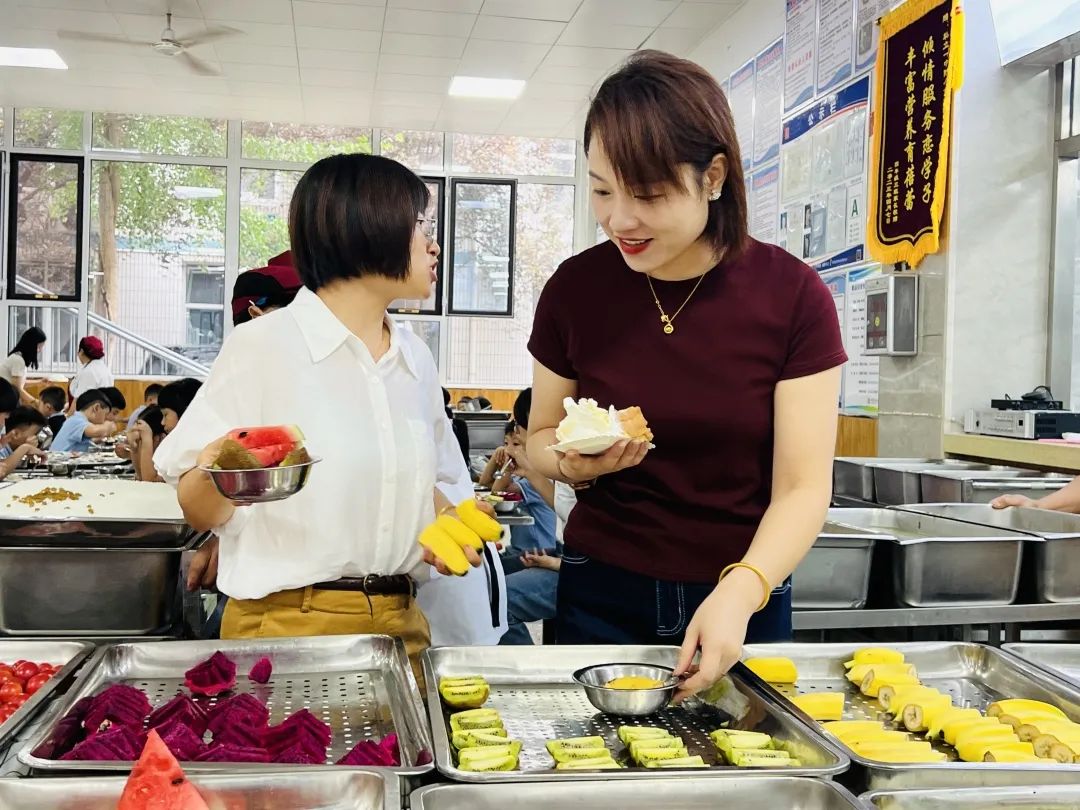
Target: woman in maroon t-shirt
x,y
731,348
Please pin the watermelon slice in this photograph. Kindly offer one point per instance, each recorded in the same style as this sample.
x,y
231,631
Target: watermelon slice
x,y
157,782
254,437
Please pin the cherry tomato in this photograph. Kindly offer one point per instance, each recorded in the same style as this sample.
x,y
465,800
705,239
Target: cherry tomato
x,y
17,701
47,668
9,690
37,682
6,711
6,668
25,670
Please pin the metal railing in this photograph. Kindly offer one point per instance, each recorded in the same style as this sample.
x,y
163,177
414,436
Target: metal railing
x,y
127,353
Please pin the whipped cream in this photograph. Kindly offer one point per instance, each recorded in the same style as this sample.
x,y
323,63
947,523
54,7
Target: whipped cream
x,y
585,419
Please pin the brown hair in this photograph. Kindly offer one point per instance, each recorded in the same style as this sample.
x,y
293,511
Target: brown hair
x,y
659,111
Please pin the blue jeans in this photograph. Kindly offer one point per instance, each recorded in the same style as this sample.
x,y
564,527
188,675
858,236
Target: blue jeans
x,y
604,604
530,597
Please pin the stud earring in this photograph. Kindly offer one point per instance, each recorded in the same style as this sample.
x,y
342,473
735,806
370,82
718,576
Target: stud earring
x,y
715,195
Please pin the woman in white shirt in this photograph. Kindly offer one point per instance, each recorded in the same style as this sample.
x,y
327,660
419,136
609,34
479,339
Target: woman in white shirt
x,y
23,356
341,556
93,370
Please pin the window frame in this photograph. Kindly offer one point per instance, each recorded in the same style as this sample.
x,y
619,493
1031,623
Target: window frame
x,y
14,160
455,183
440,281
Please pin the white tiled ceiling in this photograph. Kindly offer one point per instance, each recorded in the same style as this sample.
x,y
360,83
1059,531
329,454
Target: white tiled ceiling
x,y
384,63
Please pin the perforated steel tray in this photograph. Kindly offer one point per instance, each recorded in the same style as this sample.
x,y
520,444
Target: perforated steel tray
x,y
1043,797
67,655
295,790
686,793
362,686
533,691
974,674
1062,660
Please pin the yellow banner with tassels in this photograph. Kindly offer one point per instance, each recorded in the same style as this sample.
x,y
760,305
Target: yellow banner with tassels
x,y
919,66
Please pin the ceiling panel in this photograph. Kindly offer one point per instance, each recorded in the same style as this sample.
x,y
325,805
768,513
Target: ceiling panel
x,y
338,60
465,6
277,12
338,39
179,8
594,33
571,56
54,19
277,55
699,15
679,41
336,15
255,33
422,45
512,29
501,60
404,83
434,23
558,10
417,65
650,13
352,79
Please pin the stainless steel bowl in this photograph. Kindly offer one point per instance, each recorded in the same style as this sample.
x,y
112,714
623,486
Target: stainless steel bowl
x,y
627,702
263,485
505,506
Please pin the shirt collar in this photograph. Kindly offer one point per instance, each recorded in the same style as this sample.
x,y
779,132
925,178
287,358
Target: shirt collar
x,y
324,333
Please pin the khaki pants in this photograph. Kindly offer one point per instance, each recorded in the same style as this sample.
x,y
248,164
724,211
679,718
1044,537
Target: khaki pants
x,y
311,612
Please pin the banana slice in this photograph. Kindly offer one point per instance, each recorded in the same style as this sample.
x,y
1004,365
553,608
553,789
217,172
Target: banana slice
x,y
1012,705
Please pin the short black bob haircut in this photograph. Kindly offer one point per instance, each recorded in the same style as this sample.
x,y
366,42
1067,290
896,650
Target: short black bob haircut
x,y
93,397
153,417
176,396
116,397
352,216
54,396
24,416
9,397
522,406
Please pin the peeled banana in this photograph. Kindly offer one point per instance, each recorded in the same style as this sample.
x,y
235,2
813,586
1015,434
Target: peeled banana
x,y
872,735
937,725
973,748
1013,705
773,670
462,534
1029,731
875,655
821,705
873,682
856,673
891,693
1019,717
952,729
435,539
918,713
464,693
480,522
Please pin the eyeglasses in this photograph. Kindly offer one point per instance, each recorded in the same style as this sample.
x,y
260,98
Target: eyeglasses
x,y
428,227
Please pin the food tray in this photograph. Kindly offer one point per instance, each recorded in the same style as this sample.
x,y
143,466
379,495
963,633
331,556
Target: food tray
x,y
1042,797
853,476
974,674
939,562
686,793
902,482
67,655
533,690
293,790
1055,554
362,686
835,574
967,486
1061,660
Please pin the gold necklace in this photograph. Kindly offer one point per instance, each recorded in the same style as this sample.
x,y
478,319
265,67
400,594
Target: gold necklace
x,y
669,320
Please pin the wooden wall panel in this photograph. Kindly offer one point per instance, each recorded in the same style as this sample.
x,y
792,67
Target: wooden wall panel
x,y
856,436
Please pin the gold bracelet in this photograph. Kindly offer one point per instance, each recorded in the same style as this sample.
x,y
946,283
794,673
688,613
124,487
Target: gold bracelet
x,y
446,509
764,580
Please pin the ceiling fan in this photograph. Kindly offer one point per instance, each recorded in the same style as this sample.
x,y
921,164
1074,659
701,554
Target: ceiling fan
x,y
169,44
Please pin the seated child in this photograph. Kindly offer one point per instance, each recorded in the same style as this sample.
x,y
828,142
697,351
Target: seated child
x,y
90,421
19,439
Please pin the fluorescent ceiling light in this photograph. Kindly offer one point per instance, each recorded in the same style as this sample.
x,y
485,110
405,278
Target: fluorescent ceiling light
x,y
477,87
31,58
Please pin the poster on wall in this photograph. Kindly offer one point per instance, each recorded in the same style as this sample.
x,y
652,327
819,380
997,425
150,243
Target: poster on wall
x,y
764,204
837,284
800,42
835,37
861,374
867,14
823,179
768,102
741,99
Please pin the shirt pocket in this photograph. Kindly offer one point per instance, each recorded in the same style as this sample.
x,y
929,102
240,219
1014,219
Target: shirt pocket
x,y
422,435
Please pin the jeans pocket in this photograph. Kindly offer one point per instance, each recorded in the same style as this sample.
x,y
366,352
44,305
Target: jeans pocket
x,y
671,616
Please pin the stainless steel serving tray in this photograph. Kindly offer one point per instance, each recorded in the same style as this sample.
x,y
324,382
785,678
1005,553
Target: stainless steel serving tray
x,y
534,693
942,562
973,486
853,476
835,573
68,655
689,792
362,686
974,674
295,789
90,533
903,482
1040,797
1062,660
1056,559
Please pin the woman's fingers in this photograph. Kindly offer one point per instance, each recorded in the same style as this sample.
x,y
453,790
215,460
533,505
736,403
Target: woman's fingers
x,y
473,556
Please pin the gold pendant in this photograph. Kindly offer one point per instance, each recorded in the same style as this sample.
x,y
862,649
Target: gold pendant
x,y
668,328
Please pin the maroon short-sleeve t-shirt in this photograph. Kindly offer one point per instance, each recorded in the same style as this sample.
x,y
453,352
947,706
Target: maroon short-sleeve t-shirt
x,y
694,504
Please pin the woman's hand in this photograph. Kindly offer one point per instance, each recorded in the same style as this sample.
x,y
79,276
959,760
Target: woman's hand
x,y
621,455
719,630
471,554
1005,501
204,566
210,453
532,559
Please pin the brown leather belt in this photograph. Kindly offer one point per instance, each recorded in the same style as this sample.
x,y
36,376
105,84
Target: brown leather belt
x,y
372,585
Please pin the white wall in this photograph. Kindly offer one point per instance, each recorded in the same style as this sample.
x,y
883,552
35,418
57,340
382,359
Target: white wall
x,y
741,37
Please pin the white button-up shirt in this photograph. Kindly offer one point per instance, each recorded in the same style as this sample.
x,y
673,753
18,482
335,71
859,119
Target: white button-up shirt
x,y
95,374
380,429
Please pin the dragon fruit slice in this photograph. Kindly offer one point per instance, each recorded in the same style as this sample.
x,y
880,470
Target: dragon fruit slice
x,y
243,709
365,754
261,672
184,743
299,725
119,704
119,743
241,735
389,745
180,709
301,754
233,753
213,676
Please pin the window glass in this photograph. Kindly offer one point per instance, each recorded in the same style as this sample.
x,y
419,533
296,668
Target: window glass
x,y
160,134
420,151
511,154
481,257
264,214
61,324
300,143
44,128
46,234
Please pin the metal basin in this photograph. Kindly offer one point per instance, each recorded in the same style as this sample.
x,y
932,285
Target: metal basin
x,y
975,486
1041,797
261,486
835,573
627,702
940,562
903,483
1054,546
853,476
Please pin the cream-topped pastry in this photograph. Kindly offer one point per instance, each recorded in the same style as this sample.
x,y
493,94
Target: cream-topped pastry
x,y
585,419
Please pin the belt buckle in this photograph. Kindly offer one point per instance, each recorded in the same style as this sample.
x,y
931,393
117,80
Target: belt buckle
x,y
365,582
